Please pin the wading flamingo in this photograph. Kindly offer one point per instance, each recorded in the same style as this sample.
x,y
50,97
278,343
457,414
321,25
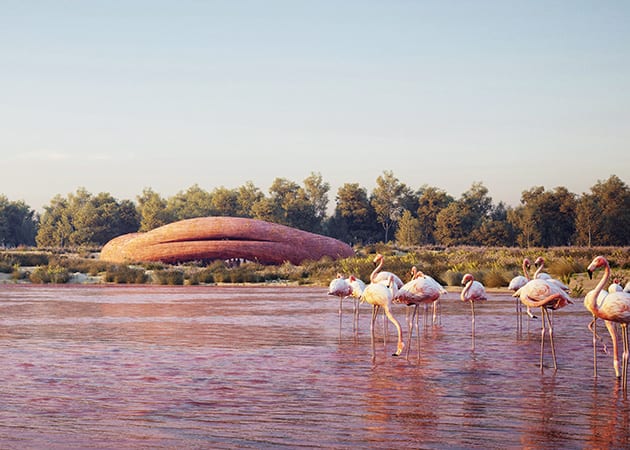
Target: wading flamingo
x,y
420,290
615,307
540,263
358,286
340,287
379,276
546,295
515,284
615,286
473,292
380,296
436,304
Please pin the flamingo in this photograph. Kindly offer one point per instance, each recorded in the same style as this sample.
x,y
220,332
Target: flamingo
x,y
546,295
615,286
626,288
358,286
340,287
615,307
436,304
610,326
540,263
421,289
472,292
383,277
518,282
380,296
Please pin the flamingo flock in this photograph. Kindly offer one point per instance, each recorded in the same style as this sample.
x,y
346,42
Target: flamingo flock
x,y
386,289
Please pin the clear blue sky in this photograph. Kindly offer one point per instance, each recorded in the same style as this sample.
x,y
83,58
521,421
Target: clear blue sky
x,y
120,95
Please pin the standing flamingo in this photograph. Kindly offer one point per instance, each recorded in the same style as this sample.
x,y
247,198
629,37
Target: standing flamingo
x,y
380,296
540,263
615,307
615,286
546,295
436,304
379,276
515,284
472,292
340,287
420,290
358,286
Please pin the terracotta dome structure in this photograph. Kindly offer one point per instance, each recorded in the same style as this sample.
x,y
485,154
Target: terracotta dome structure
x,y
209,238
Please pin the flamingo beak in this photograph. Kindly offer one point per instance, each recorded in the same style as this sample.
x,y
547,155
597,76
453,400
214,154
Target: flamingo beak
x,y
590,274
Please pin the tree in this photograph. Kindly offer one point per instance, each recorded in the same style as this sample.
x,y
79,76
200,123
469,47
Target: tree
x,y
613,196
551,215
431,201
18,223
456,224
292,205
354,219
152,210
588,220
495,229
84,219
194,202
386,200
408,232
317,194
224,202
246,198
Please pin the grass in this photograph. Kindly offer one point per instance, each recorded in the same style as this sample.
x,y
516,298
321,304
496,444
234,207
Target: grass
x,y
493,266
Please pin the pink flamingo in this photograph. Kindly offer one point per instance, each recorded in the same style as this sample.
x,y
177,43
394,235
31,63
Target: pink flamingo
x,y
615,286
380,296
340,287
546,295
420,290
615,307
358,286
383,277
540,263
436,304
515,284
473,292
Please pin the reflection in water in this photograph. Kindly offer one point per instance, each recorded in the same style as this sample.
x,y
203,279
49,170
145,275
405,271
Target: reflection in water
x,y
267,367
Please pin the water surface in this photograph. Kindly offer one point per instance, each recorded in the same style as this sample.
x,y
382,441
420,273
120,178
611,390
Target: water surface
x,y
268,367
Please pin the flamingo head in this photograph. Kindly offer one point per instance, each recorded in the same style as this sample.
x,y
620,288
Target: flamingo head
x,y
467,278
539,261
339,275
352,278
378,258
414,270
598,261
527,263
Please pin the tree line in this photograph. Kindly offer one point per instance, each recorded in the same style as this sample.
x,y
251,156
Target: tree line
x,y
391,211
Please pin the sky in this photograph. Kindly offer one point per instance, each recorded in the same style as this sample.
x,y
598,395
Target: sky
x,y
122,95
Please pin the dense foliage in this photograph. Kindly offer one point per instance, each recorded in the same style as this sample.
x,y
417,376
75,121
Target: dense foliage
x,y
393,210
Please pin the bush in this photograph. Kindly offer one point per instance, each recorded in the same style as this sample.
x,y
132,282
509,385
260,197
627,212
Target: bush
x,y
50,274
169,277
494,279
125,275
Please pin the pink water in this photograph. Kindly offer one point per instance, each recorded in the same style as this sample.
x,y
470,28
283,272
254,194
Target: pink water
x,y
267,367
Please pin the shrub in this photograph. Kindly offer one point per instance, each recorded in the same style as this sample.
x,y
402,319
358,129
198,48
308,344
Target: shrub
x,y
50,274
169,276
494,279
125,275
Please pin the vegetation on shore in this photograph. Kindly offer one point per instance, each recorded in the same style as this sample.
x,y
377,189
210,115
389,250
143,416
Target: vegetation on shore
x,y
493,266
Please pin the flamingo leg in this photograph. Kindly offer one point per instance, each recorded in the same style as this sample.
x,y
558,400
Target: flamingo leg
x,y
472,307
340,316
624,363
410,321
553,347
393,320
613,336
593,327
374,315
542,338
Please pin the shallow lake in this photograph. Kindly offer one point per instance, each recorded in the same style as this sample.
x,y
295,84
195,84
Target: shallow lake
x,y
269,367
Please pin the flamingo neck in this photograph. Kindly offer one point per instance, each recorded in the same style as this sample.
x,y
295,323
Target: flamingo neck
x,y
376,270
525,271
466,289
602,282
539,270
